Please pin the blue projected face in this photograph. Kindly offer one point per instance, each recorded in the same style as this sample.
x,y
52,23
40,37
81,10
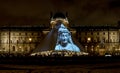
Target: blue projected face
x,y
64,40
64,37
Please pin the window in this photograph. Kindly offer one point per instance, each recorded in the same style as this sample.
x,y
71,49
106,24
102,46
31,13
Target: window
x,y
103,39
32,33
97,33
110,40
26,34
113,33
113,40
13,48
13,34
103,33
17,41
10,41
19,33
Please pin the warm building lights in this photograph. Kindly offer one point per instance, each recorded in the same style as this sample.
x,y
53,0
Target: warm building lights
x,y
30,39
88,39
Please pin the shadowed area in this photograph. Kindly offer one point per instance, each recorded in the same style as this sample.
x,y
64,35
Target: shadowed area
x,y
49,42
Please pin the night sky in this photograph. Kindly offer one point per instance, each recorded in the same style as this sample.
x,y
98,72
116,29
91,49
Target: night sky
x,y
80,12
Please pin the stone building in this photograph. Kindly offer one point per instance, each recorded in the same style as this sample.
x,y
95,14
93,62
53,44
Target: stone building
x,y
95,39
20,39
99,39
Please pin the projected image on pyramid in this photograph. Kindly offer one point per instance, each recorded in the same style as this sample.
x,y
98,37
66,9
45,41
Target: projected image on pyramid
x,y
59,40
64,40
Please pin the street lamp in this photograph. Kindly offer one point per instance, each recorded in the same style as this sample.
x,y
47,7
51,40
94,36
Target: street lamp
x,y
88,39
30,39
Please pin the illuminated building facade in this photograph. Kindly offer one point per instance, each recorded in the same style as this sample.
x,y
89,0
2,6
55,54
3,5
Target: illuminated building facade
x,y
99,39
19,39
95,39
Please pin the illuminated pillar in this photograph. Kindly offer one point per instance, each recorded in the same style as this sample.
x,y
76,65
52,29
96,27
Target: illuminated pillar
x,y
108,39
9,39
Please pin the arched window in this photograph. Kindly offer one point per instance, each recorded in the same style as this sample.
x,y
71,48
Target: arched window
x,y
17,41
13,48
